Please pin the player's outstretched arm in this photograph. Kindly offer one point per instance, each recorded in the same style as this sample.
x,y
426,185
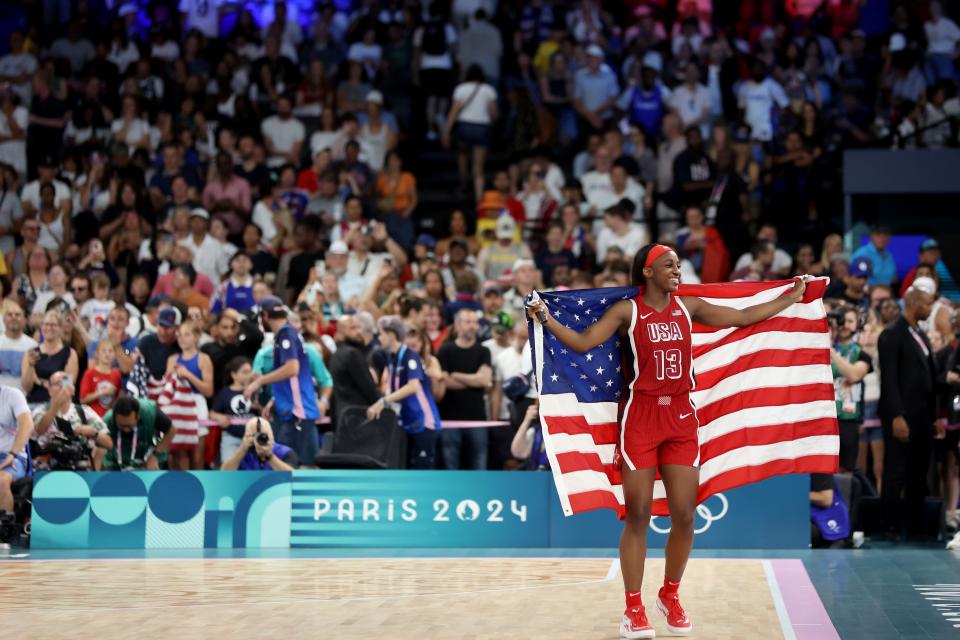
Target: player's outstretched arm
x,y
599,332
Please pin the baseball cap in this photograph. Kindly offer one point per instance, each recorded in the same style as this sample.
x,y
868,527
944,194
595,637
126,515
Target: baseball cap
x,y
426,240
501,321
274,307
925,284
200,212
595,50
653,60
929,244
493,288
506,227
339,247
860,268
375,97
169,317
155,301
393,324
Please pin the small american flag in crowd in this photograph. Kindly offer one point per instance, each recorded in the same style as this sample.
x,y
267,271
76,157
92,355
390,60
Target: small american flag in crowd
x,y
764,394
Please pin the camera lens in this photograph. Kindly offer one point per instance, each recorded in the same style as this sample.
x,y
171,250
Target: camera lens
x,y
263,439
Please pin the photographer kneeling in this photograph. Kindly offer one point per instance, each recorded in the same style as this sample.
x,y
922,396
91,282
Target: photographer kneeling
x,y
259,452
136,425
63,422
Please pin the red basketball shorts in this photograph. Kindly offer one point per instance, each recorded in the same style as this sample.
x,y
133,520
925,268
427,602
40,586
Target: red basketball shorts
x,y
658,430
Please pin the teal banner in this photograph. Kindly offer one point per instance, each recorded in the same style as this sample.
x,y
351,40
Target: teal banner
x,y
420,509
377,509
158,509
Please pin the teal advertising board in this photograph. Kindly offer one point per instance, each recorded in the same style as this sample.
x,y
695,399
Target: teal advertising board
x,y
376,509
161,509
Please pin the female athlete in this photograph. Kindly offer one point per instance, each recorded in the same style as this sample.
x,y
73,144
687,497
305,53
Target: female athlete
x,y
658,427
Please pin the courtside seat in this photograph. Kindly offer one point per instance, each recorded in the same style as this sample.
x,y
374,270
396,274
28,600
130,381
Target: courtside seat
x,y
359,443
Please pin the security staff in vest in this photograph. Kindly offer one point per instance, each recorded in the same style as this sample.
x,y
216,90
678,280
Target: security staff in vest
x,y
141,435
907,412
850,365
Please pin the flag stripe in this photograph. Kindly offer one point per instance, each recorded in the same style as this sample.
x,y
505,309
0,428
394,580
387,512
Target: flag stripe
x,y
764,395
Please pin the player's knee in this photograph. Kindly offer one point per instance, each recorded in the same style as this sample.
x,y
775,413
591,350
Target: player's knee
x,y
682,520
5,481
638,517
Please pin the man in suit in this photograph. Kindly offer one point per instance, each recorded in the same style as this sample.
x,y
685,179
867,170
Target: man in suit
x,y
907,412
353,383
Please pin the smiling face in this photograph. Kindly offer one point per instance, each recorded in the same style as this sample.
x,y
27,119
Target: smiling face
x,y
664,272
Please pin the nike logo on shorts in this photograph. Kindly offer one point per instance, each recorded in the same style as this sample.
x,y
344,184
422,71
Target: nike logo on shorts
x,y
684,416
644,317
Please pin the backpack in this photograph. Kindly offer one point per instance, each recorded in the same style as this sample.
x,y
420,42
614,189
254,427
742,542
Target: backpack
x,y
435,38
833,521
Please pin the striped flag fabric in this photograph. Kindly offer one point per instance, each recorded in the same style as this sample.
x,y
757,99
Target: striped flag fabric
x,y
186,409
764,394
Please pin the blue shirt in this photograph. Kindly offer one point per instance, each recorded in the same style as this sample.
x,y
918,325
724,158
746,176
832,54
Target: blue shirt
x,y
646,108
293,397
250,461
417,411
884,266
233,296
129,346
595,89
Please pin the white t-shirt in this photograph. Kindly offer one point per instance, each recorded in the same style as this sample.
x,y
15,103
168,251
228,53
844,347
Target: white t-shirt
x,y
13,404
781,261
14,152
31,193
11,358
942,36
202,15
365,53
44,298
630,243
691,105
135,132
206,256
598,190
757,100
167,51
263,218
475,111
96,312
15,64
123,58
283,134
509,363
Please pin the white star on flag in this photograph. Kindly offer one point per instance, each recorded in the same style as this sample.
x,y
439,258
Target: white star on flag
x,y
599,371
589,357
555,377
593,387
580,302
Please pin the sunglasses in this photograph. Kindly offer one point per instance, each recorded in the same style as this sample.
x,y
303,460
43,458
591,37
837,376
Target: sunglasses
x,y
83,288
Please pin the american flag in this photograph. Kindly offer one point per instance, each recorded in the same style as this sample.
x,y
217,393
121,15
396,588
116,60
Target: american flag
x,y
764,394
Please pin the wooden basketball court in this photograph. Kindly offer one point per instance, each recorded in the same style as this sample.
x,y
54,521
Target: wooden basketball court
x,y
421,599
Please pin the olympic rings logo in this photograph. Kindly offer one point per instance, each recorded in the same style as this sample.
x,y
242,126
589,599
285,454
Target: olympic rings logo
x,y
703,511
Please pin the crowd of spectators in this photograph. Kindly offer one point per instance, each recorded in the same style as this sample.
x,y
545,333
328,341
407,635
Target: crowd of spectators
x,y
212,213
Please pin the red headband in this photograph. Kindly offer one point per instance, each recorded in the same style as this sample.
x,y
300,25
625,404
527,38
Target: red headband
x,y
655,252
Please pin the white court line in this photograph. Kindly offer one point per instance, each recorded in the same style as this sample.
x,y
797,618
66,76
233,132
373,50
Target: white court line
x,y
26,556
778,602
613,570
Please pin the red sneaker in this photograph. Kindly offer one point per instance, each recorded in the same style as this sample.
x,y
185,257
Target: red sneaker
x,y
677,620
635,625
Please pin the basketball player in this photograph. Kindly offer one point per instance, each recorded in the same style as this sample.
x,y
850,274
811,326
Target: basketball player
x,y
658,427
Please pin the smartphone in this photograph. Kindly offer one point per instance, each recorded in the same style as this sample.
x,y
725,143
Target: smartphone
x,y
66,381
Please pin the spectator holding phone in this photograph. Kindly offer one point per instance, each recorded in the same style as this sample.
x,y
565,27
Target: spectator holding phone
x,y
51,356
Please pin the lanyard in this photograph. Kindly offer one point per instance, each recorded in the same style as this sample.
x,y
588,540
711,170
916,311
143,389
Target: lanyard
x,y
395,369
923,345
133,449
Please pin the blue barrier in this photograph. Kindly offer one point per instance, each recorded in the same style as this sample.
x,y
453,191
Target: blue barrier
x,y
354,509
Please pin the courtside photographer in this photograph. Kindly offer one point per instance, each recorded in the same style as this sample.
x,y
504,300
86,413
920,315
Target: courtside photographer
x,y
259,452
68,434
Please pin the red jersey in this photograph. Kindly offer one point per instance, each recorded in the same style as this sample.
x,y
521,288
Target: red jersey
x,y
661,349
94,380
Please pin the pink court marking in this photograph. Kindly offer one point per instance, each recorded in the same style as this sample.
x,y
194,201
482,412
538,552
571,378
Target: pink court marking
x,y
805,610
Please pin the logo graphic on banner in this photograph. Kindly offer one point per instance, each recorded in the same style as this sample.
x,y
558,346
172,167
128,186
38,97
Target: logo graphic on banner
x,y
703,513
155,509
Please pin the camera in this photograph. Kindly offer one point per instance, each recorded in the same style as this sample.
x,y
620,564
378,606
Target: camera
x,y
65,453
263,439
